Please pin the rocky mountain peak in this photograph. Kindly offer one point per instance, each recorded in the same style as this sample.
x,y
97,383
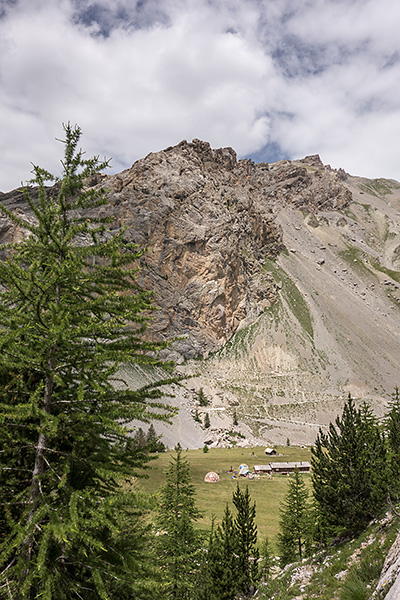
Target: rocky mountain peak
x,y
208,220
283,277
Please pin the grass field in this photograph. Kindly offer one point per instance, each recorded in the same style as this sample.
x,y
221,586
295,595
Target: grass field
x,y
212,497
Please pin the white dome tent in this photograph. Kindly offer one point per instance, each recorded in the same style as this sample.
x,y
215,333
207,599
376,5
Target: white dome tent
x,y
211,477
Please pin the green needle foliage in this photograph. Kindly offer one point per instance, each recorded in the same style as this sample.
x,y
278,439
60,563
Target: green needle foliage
x,y
295,521
71,313
246,541
179,543
349,472
393,442
233,556
266,560
221,576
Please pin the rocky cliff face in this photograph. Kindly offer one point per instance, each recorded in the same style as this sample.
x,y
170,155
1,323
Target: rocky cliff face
x,y
208,222
283,278
197,211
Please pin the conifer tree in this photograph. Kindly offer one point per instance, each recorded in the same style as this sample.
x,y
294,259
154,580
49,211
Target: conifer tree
x,y
266,560
153,441
71,313
222,561
202,398
139,439
233,555
178,541
246,541
295,530
235,419
207,421
151,436
349,472
393,442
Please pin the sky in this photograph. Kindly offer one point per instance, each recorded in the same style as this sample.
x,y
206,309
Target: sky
x,y
273,79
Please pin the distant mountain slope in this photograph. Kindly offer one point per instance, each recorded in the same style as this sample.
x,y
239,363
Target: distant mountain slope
x,y
282,281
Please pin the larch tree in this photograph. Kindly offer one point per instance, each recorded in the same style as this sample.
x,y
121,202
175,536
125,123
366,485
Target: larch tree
x,y
71,313
266,562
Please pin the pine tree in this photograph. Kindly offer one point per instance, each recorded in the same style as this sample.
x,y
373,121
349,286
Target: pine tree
x,y
202,398
139,439
222,561
207,421
393,441
266,556
151,436
235,419
178,541
349,472
246,541
71,313
295,530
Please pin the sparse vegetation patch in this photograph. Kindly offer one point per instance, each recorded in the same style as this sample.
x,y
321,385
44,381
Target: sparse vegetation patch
x,y
379,187
292,295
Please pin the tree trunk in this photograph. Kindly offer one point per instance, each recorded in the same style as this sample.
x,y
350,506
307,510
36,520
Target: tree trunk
x,y
41,447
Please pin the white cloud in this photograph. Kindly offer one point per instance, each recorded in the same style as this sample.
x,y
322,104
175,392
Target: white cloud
x,y
141,75
132,92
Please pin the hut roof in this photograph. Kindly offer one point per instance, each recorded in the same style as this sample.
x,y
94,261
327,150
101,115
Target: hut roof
x,y
290,465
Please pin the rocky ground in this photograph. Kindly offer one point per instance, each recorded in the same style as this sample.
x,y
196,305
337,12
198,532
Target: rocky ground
x,y
278,285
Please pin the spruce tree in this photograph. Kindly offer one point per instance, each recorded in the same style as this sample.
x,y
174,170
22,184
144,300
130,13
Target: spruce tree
x,y
349,472
71,313
178,541
295,530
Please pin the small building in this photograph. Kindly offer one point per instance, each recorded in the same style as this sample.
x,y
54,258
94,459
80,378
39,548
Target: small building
x,y
262,469
270,451
290,467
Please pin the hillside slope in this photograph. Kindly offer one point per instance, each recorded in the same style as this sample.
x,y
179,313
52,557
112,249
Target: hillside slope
x,y
335,328
281,281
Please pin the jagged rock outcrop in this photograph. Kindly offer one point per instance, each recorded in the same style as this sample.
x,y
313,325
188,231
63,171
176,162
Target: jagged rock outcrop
x,y
208,222
290,270
390,576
